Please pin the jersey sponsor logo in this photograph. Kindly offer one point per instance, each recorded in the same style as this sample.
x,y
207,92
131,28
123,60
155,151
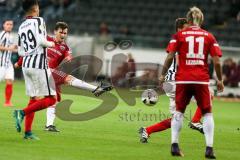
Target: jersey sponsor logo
x,y
195,33
55,51
62,48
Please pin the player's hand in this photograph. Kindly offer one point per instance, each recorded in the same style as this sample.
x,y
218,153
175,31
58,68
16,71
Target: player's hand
x,y
13,48
220,86
16,65
53,45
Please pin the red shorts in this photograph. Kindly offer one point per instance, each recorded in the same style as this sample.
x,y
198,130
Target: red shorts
x,y
184,93
59,78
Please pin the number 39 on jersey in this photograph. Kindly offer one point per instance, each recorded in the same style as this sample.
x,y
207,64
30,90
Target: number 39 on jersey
x,y
31,33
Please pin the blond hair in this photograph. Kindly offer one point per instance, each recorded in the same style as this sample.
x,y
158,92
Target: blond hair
x,y
195,16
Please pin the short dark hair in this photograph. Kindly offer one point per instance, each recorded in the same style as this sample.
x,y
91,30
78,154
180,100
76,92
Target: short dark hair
x,y
5,20
179,23
61,25
28,4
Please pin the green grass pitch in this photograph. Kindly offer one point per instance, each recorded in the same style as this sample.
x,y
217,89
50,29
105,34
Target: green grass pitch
x,y
114,135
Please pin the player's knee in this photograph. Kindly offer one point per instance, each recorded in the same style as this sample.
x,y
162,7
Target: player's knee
x,y
172,107
68,79
206,110
9,81
51,100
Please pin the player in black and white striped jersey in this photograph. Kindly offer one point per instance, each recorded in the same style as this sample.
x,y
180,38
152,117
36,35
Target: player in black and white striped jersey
x,y
39,82
6,67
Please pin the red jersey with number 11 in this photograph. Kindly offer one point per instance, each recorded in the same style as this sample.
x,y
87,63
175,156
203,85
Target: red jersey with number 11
x,y
193,46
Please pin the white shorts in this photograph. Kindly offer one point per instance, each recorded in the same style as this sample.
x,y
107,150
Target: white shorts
x,y
170,89
39,82
7,73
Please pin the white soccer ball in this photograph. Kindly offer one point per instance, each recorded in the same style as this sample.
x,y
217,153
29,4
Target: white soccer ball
x,y
149,97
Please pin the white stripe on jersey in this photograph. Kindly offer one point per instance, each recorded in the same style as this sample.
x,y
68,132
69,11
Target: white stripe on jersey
x,y
5,56
172,71
37,61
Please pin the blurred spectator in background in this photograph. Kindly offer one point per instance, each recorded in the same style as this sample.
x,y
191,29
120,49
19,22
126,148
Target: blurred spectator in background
x,y
9,4
231,72
55,8
103,29
234,8
119,78
149,78
125,31
104,33
131,70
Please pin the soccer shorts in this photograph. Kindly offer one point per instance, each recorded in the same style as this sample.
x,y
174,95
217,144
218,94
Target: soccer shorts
x,y
184,93
59,78
39,82
170,90
7,72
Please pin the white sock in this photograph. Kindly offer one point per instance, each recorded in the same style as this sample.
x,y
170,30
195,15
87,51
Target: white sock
x,y
50,115
81,84
208,128
176,125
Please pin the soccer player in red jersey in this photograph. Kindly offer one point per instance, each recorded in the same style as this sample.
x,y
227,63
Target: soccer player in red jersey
x,y
61,52
55,56
193,45
145,132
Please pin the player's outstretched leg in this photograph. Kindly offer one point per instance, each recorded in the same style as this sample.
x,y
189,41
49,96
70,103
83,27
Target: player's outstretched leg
x,y
143,135
101,89
158,127
195,123
28,111
96,90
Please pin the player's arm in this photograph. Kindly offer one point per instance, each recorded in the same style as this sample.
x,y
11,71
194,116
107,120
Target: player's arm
x,y
171,50
216,53
167,64
12,48
67,55
42,34
19,62
218,70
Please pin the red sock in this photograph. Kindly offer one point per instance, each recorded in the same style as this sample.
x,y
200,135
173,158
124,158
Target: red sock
x,y
29,118
40,104
197,116
161,126
8,92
